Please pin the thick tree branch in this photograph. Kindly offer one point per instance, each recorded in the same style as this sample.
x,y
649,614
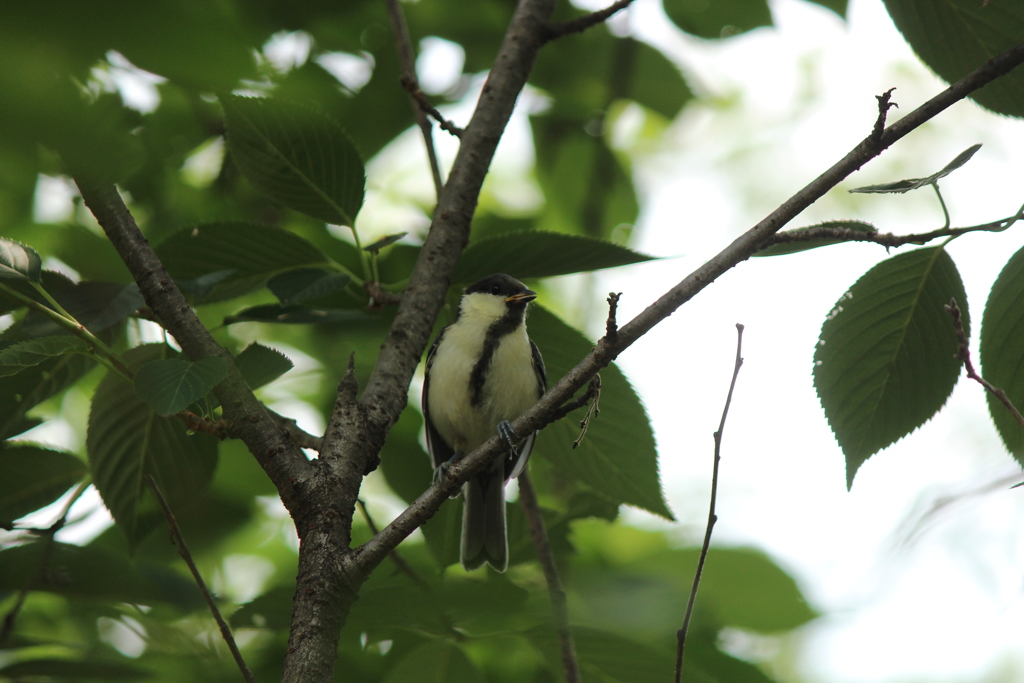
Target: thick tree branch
x,y
537,417
283,461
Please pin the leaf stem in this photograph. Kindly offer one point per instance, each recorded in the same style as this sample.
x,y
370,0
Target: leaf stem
x,y
101,352
942,203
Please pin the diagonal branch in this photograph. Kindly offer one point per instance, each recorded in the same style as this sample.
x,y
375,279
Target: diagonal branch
x,y
374,551
581,24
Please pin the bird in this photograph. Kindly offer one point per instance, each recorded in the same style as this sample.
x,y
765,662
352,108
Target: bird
x,y
483,371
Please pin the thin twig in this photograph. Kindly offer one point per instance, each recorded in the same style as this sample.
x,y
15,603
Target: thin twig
x,y
399,561
403,43
559,602
594,390
581,24
412,86
887,239
964,355
7,627
179,542
712,517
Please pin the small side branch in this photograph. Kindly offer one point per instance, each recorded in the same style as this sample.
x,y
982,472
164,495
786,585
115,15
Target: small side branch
x,y
559,602
586,21
712,517
887,239
179,542
412,86
403,43
885,103
964,355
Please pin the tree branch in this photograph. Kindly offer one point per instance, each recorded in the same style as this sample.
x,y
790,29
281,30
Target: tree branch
x,y
559,602
581,24
283,461
712,516
537,417
179,543
886,239
408,61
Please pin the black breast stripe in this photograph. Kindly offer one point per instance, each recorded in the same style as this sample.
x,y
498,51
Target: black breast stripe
x,y
507,324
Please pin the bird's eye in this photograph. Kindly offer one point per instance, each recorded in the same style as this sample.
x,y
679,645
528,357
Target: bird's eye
x,y
495,289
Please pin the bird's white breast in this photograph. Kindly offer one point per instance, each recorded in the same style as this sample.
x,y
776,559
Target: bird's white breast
x,y
511,384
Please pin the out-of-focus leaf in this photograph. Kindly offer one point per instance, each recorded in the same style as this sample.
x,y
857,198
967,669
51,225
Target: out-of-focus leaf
x,y
435,662
19,261
260,365
97,305
20,393
837,6
85,572
386,241
956,37
583,76
587,188
617,457
1002,347
298,155
241,256
607,657
718,19
886,359
17,357
127,440
541,254
32,477
174,384
794,247
901,186
303,284
73,670
297,315
52,281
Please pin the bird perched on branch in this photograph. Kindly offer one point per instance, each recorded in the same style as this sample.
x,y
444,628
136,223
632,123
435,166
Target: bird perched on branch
x,y
483,371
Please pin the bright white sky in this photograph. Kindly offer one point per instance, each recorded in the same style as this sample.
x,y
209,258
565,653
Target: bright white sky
x,y
941,605
946,604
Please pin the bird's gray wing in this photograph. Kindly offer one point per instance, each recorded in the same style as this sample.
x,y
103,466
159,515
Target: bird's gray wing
x,y
514,467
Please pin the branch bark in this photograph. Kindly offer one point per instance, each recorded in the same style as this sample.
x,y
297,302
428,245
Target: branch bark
x,y
606,351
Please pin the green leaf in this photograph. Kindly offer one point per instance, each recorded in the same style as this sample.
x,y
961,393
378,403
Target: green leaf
x,y
93,574
607,657
303,284
97,305
837,6
955,37
1002,347
435,662
386,241
234,257
886,360
298,155
720,19
260,365
541,254
901,186
18,261
73,670
127,440
21,392
297,315
32,477
174,384
794,247
17,357
617,457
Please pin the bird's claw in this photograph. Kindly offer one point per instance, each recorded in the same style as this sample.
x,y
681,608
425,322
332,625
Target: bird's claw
x,y
441,473
510,438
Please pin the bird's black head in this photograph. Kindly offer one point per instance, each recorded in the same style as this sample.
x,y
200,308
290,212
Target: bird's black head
x,y
514,292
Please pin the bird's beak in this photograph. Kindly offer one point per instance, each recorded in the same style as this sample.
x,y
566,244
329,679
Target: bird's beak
x,y
525,297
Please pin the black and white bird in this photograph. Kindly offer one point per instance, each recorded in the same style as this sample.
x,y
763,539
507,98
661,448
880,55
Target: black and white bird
x,y
483,371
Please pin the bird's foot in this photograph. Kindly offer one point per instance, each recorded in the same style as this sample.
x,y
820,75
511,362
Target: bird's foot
x,y
510,438
441,472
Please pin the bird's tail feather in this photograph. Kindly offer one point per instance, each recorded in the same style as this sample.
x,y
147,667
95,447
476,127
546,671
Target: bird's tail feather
x,y
484,537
